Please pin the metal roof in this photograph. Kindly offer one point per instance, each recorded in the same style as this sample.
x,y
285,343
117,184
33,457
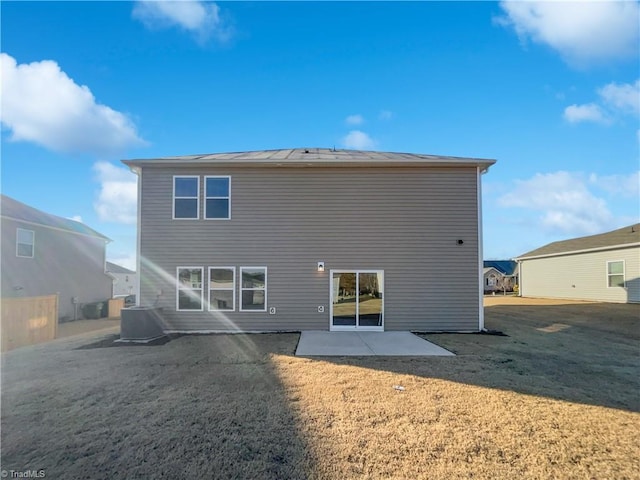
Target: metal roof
x,y
623,237
16,210
313,157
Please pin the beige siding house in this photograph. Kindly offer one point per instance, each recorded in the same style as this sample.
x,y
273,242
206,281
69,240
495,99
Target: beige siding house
x,y
604,267
43,254
311,239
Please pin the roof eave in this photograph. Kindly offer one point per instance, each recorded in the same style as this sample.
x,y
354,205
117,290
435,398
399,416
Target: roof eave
x,y
573,252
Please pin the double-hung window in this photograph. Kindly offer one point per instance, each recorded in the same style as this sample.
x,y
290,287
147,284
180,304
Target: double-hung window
x,y
190,288
253,289
25,240
186,197
217,203
222,292
615,274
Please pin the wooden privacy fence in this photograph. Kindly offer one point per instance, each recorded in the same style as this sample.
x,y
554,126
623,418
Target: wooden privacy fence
x,y
115,306
29,320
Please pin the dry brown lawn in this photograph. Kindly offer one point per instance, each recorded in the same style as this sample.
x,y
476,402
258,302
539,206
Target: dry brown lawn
x,y
557,398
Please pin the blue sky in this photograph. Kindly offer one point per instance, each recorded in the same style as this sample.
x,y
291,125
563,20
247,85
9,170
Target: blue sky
x,y
550,90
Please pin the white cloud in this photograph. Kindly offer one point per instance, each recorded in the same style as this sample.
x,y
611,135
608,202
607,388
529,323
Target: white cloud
x,y
589,112
76,218
627,186
624,97
200,18
354,119
358,140
385,115
583,32
118,198
616,99
564,203
41,104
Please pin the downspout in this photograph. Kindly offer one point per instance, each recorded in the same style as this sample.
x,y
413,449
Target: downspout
x,y
138,172
480,254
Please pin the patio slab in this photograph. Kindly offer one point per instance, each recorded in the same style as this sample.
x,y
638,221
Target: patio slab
x,y
338,344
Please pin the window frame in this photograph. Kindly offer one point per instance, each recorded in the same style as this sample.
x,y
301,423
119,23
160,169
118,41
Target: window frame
x,y
18,242
228,198
243,289
197,267
609,275
197,198
233,289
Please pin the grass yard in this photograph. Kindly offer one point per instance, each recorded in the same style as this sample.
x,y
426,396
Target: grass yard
x,y
557,398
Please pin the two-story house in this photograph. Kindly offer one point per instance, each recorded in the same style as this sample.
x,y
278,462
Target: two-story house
x,y
311,239
43,254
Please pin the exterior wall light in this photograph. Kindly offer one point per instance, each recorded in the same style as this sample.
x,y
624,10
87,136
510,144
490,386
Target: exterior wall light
x,y
321,266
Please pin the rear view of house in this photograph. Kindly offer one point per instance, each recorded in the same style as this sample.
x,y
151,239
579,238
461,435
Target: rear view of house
x,y
604,267
311,239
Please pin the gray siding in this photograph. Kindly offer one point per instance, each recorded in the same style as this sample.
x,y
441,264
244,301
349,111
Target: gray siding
x,y
405,221
69,264
581,276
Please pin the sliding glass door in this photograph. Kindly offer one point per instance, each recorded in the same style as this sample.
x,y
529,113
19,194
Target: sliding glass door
x,y
357,300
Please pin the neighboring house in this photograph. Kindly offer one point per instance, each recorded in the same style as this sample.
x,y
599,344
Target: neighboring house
x,y
44,254
125,281
604,267
500,275
311,239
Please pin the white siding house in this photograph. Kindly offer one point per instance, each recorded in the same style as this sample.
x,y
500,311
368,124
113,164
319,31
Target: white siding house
x,y
604,267
125,281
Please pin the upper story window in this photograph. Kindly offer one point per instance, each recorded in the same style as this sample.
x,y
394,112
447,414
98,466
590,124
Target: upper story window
x,y
217,197
25,240
615,274
186,197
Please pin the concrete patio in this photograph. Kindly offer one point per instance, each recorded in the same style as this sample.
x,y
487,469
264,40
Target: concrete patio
x,y
322,343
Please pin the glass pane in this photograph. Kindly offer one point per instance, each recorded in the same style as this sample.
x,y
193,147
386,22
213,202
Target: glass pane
x,y
190,299
344,299
190,277
221,300
25,250
217,187
616,267
221,278
370,298
217,208
253,300
186,208
253,278
186,187
25,236
616,280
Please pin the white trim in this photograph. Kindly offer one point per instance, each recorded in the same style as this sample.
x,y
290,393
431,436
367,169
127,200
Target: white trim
x,y
480,254
233,289
241,289
356,327
624,273
33,243
138,172
178,309
585,250
174,198
228,217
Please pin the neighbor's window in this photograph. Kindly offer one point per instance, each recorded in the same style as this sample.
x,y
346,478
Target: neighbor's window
x,y
190,288
24,243
222,293
253,288
217,203
615,274
186,199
